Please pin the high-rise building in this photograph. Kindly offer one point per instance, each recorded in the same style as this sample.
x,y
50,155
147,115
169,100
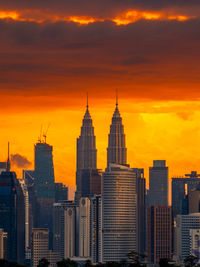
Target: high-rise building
x,y
3,244
90,182
183,225
86,148
44,186
194,200
141,210
61,192
40,245
158,184
119,200
181,187
96,229
116,151
12,219
84,227
195,243
160,230
64,234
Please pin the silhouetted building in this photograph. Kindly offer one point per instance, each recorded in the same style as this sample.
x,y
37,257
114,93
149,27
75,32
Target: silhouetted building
x,y
181,187
116,151
194,201
86,149
64,234
158,184
3,244
90,182
141,210
61,192
160,230
44,186
96,229
12,218
119,208
183,225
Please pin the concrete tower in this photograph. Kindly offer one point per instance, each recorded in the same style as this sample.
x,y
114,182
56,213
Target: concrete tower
x,y
116,151
86,148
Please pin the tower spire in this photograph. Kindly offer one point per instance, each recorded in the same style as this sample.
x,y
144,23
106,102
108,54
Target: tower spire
x,y
87,101
116,97
8,160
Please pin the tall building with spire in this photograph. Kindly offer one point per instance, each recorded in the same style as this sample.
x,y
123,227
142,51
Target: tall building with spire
x,y
116,151
86,148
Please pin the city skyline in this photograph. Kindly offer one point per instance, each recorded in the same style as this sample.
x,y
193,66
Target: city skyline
x,y
162,151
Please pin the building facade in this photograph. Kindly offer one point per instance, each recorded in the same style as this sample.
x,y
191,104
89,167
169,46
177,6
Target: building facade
x,y
86,149
84,227
183,225
160,233
3,244
90,182
158,184
118,212
96,228
64,233
12,215
116,151
181,187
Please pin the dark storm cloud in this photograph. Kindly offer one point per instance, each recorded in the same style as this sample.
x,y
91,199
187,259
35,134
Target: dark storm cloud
x,y
95,7
20,161
53,58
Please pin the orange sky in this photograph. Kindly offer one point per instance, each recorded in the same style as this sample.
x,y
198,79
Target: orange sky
x,y
52,54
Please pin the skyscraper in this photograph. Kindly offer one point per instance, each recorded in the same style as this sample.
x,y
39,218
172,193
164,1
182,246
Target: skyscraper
x,y
119,200
183,225
44,186
12,218
116,151
64,234
96,229
84,227
181,187
160,229
90,182
86,148
158,184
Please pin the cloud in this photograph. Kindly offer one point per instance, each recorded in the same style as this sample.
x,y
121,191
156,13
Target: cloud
x,y
20,161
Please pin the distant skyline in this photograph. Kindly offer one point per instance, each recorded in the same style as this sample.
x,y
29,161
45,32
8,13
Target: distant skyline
x,y
53,52
147,136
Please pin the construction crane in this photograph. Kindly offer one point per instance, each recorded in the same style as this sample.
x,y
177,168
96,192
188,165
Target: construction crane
x,y
45,133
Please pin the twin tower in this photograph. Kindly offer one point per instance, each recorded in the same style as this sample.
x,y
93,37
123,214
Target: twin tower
x,y
86,144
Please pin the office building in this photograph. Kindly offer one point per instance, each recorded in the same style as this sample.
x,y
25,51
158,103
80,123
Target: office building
x,y
3,244
141,210
158,184
159,233
194,200
40,245
119,200
181,187
12,218
61,192
183,225
195,243
86,149
90,182
84,227
44,186
96,229
64,233
116,151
